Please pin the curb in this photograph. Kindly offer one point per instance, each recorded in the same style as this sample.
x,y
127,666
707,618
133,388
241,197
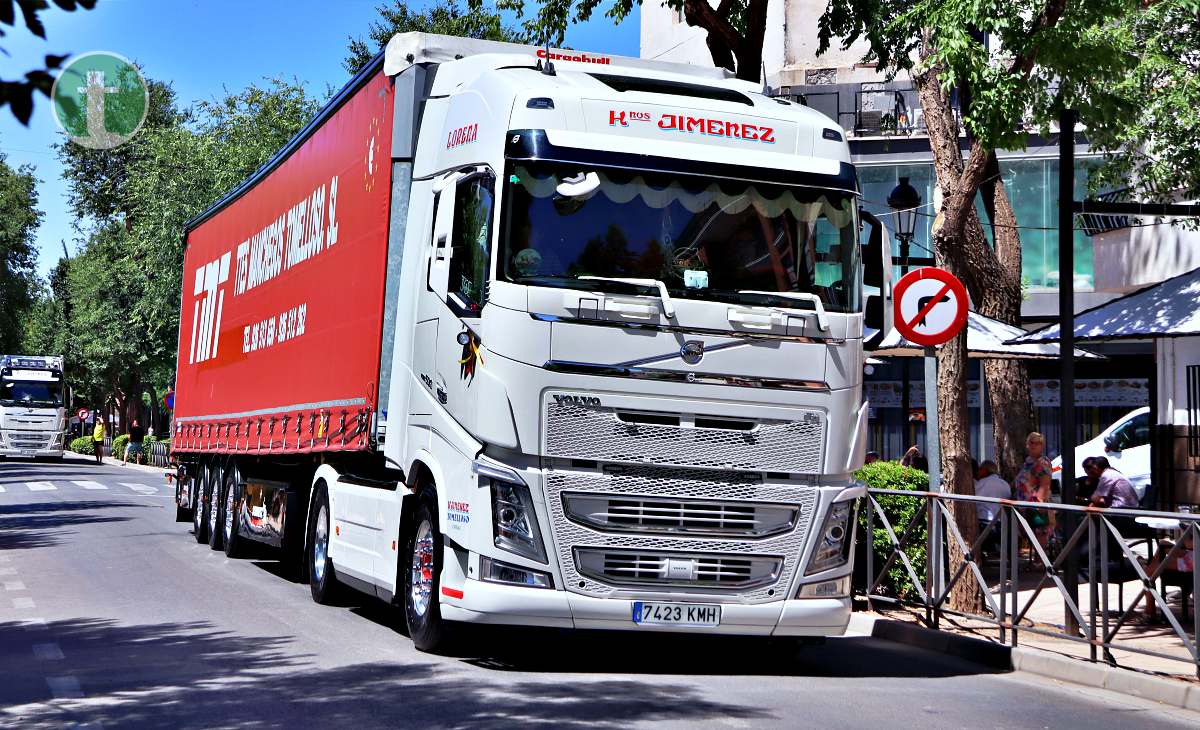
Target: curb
x,y
1170,692
110,461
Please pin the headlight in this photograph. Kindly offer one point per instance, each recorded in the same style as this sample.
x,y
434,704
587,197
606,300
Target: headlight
x,y
494,571
833,545
514,521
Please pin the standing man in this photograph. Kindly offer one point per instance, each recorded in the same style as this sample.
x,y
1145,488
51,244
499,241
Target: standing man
x,y
98,438
137,435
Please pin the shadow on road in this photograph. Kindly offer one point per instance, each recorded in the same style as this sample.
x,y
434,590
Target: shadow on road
x,y
43,524
175,675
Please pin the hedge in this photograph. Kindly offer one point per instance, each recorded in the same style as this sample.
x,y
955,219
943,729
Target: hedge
x,y
83,445
899,510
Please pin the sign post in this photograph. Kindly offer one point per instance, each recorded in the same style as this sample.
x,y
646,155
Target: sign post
x,y
930,308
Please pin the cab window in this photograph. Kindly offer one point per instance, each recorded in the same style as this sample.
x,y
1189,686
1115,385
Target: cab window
x,y
470,242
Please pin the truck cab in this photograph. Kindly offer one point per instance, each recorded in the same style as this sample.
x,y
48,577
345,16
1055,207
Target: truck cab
x,y
633,370
32,406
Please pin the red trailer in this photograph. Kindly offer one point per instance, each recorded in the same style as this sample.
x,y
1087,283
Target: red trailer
x,y
291,262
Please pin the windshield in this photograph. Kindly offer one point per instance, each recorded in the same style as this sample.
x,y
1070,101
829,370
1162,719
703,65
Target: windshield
x,y
34,394
702,237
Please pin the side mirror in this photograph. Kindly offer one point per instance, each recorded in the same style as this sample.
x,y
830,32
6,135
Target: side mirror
x,y
1112,443
877,281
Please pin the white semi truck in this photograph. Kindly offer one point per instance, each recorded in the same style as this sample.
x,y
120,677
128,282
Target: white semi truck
x,y
513,335
33,415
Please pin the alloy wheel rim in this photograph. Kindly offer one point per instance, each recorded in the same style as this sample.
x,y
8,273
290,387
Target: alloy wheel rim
x,y
320,544
212,510
421,578
198,513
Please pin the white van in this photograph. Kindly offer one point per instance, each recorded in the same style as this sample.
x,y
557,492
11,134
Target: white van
x,y
1126,443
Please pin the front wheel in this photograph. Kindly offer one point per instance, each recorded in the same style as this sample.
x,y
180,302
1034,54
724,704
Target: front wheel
x,y
322,581
422,570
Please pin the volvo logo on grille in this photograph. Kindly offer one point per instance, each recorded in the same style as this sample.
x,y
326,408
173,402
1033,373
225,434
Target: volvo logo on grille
x,y
692,352
578,400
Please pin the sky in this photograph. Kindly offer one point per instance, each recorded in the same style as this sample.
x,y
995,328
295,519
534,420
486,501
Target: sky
x,y
204,48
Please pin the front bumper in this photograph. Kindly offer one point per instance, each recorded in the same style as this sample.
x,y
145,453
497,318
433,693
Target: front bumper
x,y
492,603
31,444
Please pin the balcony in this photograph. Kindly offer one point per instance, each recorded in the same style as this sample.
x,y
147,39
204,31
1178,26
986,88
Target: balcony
x,y
866,110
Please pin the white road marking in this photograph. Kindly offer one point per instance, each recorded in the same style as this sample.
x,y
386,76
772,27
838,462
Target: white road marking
x,y
64,687
2,489
50,652
23,603
8,571
35,624
40,486
140,488
90,485
14,585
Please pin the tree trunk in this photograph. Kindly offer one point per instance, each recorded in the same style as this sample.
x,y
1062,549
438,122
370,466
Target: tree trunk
x,y
960,248
1008,380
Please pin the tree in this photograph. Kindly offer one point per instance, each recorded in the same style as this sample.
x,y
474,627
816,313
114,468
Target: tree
x,y
119,298
1014,65
98,179
1154,149
19,220
734,28
447,19
18,94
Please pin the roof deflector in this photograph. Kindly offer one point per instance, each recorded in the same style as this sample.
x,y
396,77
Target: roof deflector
x,y
672,88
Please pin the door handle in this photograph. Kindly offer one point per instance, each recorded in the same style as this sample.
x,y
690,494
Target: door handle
x,y
630,310
752,320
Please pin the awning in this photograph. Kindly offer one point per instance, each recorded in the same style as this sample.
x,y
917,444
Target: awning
x,y
987,338
1168,309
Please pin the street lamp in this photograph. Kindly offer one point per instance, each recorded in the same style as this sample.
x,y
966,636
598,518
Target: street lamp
x,y
904,201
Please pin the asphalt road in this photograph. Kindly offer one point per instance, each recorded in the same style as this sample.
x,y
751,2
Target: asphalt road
x,y
112,616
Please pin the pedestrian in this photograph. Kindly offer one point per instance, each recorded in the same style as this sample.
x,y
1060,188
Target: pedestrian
x,y
872,457
993,486
911,456
137,436
1032,484
1113,489
98,439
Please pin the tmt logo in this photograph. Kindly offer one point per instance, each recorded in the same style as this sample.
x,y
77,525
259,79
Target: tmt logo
x,y
206,310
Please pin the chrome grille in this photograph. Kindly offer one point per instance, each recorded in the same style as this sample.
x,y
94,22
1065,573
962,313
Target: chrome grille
x,y
580,431
677,485
636,513
641,568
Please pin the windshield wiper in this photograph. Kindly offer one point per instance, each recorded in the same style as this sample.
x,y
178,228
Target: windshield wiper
x,y
822,318
668,305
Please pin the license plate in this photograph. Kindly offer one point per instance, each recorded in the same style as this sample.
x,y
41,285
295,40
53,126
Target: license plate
x,y
30,453
677,614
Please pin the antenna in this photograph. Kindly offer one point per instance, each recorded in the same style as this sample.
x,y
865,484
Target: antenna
x,y
547,69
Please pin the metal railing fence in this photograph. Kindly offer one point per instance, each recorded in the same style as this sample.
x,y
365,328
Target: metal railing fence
x,y
1100,537
158,453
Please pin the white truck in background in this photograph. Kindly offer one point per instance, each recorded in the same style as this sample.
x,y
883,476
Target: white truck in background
x,y
512,335
33,408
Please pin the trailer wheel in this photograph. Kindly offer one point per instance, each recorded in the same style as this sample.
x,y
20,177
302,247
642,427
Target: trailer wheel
x,y
422,569
232,513
200,511
322,579
216,506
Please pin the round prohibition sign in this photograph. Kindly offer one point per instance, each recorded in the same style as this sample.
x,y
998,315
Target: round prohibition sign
x,y
929,306
83,414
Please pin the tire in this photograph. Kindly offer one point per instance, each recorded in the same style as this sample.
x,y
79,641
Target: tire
x,y
322,579
422,568
216,506
182,514
231,514
200,511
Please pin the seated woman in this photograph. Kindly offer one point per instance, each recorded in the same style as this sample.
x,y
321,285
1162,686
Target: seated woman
x,y
1176,571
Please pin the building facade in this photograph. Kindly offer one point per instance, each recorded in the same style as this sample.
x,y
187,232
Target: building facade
x,y
884,124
